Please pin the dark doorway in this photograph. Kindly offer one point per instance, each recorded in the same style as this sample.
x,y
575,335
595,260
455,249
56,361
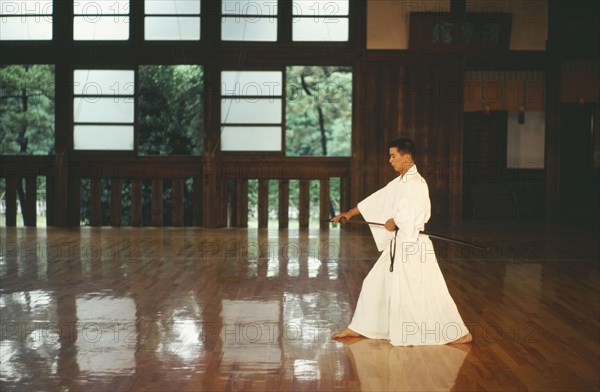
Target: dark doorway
x,y
486,195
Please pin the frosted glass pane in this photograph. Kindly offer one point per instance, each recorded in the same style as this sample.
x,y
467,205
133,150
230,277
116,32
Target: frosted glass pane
x,y
172,28
103,137
26,7
251,83
101,7
249,7
249,29
103,110
251,139
103,82
26,28
320,7
251,111
320,29
101,28
173,7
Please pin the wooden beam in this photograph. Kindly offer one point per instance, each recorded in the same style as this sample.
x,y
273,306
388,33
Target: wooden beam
x,y
455,167
552,137
30,201
210,190
304,203
177,203
345,193
241,200
135,214
95,203
324,203
157,202
197,200
11,202
284,204
50,201
67,211
115,202
74,199
263,203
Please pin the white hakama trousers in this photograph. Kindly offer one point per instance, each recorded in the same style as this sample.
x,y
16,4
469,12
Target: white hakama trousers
x,y
410,306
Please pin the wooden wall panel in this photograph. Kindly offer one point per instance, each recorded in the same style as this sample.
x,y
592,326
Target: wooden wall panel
x,y
422,101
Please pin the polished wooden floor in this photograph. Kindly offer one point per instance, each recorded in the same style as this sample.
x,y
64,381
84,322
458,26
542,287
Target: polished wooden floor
x,y
150,309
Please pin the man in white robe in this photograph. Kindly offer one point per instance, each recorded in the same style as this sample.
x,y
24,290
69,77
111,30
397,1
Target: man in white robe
x,y
407,303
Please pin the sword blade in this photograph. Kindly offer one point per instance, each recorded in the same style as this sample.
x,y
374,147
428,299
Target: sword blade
x,y
432,235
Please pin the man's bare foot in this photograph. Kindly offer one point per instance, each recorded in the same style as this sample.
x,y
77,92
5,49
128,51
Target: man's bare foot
x,y
468,338
346,333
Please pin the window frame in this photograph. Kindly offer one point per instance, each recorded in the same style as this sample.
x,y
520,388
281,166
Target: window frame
x,y
134,97
129,23
28,16
281,152
200,17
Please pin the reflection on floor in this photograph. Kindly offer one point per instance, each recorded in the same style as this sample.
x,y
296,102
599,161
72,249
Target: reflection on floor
x,y
236,309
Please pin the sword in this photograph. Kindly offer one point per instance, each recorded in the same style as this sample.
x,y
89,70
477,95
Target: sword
x,y
432,235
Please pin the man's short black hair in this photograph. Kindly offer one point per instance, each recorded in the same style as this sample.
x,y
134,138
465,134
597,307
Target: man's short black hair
x,y
404,146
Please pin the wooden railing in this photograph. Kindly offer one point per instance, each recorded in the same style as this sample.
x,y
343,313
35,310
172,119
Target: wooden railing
x,y
240,171
21,175
161,171
156,170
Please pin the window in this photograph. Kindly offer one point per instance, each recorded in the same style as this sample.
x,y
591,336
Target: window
x,y
318,111
27,109
172,20
320,20
249,20
25,20
103,109
171,109
101,20
251,110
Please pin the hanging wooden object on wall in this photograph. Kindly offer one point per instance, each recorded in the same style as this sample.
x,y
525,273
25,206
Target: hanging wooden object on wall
x,y
466,32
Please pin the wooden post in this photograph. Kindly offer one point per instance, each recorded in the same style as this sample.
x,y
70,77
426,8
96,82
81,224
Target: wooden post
x,y
95,203
11,202
115,202
304,203
157,202
324,203
177,203
284,204
263,203
241,203
135,215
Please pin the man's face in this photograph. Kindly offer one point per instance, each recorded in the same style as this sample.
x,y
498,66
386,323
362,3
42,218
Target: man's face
x,y
398,160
